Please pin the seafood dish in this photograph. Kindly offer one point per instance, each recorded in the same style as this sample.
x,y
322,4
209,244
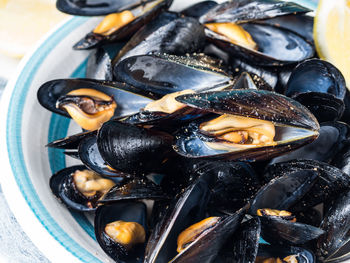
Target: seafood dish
x,y
215,134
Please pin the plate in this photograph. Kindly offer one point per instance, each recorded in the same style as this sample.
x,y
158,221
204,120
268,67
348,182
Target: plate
x,y
27,165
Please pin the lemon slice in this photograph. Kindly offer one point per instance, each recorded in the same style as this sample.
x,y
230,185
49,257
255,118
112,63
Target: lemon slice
x,y
23,22
332,34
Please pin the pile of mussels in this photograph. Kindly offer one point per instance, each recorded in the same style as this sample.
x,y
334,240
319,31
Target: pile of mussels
x,y
223,116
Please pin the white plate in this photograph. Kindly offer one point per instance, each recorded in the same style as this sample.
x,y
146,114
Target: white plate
x,y
26,163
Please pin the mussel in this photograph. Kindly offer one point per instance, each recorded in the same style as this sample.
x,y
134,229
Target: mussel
x,y
253,125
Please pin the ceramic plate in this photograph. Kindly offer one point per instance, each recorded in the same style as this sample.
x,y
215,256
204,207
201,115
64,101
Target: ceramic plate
x,y
26,127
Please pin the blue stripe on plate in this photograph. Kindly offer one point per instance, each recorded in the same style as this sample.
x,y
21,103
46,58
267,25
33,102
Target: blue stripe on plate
x,y
14,142
58,129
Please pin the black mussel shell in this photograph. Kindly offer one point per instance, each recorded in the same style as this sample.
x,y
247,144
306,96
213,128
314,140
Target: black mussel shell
x,y
62,186
320,86
285,190
99,64
246,241
330,181
236,183
310,216
333,137
269,76
257,104
247,10
73,154
129,99
250,81
299,23
71,142
172,36
188,208
199,9
207,246
95,8
143,14
133,189
342,160
276,230
334,245
275,251
276,46
125,211
169,73
132,149
91,158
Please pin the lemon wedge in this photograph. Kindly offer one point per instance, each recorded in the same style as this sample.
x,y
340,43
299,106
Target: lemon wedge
x,y
23,22
332,34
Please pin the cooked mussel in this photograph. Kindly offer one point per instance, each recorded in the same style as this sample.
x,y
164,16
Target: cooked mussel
x,y
132,149
170,73
120,26
319,86
79,188
121,230
253,125
284,254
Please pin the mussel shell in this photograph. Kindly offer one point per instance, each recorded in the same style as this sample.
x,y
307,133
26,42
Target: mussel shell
x,y
71,142
62,187
199,9
330,181
91,158
167,34
95,8
133,149
280,231
333,137
187,209
99,64
274,251
166,74
93,40
257,104
206,247
276,46
133,189
320,86
246,10
246,241
334,245
126,211
283,191
129,99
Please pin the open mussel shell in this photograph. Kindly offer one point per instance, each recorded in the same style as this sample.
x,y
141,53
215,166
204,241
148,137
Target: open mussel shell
x,y
125,211
280,231
320,86
134,189
333,138
334,245
246,10
274,251
132,149
330,181
129,99
276,46
295,126
71,142
206,247
285,190
166,34
188,208
169,73
142,15
91,158
63,187
95,8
